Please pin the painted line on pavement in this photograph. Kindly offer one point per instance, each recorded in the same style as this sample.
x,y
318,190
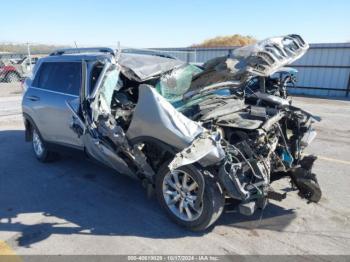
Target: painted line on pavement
x,y
7,253
334,160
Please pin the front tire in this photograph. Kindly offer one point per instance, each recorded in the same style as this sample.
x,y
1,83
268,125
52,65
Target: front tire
x,y
177,191
12,77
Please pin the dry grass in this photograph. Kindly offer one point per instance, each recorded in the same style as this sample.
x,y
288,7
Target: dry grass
x,y
22,48
230,40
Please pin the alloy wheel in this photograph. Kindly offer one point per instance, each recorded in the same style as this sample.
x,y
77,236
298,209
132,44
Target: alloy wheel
x,y
180,192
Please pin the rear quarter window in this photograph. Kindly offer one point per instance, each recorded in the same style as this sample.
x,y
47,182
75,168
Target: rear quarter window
x,y
63,77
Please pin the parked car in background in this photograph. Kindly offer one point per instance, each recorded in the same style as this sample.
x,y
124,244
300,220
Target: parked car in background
x,y
8,73
14,70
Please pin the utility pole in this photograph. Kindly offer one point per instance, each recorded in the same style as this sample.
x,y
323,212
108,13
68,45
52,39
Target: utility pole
x,y
29,57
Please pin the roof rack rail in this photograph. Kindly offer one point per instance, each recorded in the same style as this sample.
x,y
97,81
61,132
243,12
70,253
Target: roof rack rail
x,y
84,50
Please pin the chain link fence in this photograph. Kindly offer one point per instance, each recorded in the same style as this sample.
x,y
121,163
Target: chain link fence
x,y
17,60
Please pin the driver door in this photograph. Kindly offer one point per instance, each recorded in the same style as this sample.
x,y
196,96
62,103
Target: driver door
x,y
85,117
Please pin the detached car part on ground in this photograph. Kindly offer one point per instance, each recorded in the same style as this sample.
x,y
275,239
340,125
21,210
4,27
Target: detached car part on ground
x,y
191,134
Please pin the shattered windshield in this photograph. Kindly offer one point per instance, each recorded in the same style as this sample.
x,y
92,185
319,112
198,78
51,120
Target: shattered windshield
x,y
173,85
109,83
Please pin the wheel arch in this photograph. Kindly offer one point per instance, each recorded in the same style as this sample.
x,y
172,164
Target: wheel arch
x,y
167,150
29,124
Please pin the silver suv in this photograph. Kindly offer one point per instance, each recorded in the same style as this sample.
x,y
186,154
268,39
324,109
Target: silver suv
x,y
189,133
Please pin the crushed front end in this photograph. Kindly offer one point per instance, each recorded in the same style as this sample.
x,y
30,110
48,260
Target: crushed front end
x,y
252,147
261,137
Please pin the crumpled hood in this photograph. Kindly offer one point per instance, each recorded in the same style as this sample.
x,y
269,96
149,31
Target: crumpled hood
x,y
143,67
263,58
267,56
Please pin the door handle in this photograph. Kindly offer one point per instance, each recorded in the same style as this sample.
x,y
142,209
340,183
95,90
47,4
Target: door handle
x,y
33,98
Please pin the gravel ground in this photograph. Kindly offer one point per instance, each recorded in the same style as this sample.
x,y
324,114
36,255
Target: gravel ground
x,y
73,206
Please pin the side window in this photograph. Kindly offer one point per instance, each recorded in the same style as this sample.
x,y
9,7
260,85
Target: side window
x,y
64,77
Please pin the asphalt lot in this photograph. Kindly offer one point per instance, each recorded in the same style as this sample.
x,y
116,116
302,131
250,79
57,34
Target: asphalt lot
x,y
73,206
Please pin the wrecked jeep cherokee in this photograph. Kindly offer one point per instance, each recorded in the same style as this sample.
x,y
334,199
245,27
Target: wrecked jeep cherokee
x,y
186,132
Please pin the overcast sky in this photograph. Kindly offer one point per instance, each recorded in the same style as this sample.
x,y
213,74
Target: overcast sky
x,y
169,23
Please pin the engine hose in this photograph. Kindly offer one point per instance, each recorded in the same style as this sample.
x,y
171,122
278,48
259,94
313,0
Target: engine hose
x,y
283,138
249,164
244,194
244,158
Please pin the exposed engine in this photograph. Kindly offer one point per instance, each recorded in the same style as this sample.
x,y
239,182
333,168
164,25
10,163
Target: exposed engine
x,y
263,142
122,108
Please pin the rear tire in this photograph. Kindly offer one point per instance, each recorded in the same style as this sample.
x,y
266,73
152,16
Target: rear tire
x,y
12,77
39,148
212,203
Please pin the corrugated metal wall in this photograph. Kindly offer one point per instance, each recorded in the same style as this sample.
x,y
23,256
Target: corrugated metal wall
x,y
323,71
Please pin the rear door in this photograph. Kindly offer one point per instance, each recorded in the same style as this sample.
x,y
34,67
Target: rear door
x,y
54,85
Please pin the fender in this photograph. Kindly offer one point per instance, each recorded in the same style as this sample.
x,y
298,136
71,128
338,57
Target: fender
x,y
28,124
